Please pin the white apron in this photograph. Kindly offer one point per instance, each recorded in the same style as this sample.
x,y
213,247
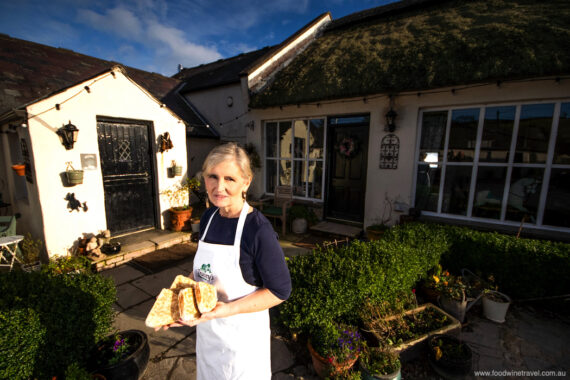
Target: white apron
x,y
236,347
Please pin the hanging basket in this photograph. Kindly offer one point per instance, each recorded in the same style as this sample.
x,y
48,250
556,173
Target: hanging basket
x,y
177,171
74,177
20,169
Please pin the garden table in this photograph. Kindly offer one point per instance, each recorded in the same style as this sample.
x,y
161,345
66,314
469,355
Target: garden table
x,y
8,246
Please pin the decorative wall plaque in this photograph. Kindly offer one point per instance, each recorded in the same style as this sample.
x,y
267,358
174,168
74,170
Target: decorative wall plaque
x,y
389,151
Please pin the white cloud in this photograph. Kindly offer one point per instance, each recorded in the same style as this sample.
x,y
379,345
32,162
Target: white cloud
x,y
119,21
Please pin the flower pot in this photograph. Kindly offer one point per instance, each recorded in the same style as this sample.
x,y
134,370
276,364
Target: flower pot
x,y
131,367
20,169
180,219
454,307
493,309
74,177
366,375
325,368
299,226
374,234
455,357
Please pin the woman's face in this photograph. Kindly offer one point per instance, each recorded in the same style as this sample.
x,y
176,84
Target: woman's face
x,y
225,184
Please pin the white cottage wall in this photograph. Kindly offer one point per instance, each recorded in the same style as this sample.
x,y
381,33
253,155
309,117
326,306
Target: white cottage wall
x,y
397,184
111,96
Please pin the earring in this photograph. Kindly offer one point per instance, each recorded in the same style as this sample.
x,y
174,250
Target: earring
x,y
243,194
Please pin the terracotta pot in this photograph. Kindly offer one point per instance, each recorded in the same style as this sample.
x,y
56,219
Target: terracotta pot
x,y
373,234
19,169
180,219
325,368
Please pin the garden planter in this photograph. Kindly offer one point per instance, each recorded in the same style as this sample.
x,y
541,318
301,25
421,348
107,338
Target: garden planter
x,y
130,367
495,306
299,226
20,169
325,368
32,267
74,177
412,348
450,357
366,375
180,219
454,307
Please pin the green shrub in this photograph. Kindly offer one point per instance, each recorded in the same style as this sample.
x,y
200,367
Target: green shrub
x,y
74,311
21,336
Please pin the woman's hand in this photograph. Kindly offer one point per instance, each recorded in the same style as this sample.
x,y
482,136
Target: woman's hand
x,y
221,310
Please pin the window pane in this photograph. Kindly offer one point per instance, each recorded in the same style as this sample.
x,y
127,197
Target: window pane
x,y
300,178
557,209
534,133
271,139
301,131
315,179
285,139
270,175
433,136
524,194
497,134
562,150
463,135
489,192
456,190
427,187
316,138
284,172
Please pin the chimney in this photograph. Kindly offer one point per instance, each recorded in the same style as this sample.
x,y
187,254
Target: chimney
x,y
180,67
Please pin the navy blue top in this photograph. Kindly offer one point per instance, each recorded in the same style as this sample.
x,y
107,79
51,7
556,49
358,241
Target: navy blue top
x,y
262,261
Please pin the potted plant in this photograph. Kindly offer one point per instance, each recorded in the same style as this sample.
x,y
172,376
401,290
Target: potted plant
x,y
379,363
452,290
74,177
179,197
449,357
19,168
123,355
176,170
334,348
301,217
427,287
495,303
30,250
376,231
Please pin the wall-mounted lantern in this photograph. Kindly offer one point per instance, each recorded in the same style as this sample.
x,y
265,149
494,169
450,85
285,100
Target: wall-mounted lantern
x,y
391,120
68,135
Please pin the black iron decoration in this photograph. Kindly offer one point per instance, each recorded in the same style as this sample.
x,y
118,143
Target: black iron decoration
x,y
165,143
389,152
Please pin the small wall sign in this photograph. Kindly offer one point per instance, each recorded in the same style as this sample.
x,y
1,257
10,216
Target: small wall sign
x,y
389,152
88,161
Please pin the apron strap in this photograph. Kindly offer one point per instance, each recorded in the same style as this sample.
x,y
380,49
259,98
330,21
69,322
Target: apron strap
x,y
208,225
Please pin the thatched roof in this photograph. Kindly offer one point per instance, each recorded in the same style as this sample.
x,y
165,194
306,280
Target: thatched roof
x,y
419,45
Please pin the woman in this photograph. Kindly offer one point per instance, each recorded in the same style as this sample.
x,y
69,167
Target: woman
x,y
239,253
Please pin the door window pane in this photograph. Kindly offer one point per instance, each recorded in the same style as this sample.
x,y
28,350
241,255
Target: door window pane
x,y
557,209
497,134
562,150
433,136
271,139
489,192
316,138
299,182
285,139
427,186
524,194
463,135
534,133
456,189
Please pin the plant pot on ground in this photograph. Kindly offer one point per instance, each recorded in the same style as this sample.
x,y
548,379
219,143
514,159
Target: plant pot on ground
x,y
30,249
20,169
379,363
376,231
121,356
495,305
449,357
179,198
301,217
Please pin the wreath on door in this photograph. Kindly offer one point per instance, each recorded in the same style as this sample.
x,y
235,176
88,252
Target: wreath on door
x,y
348,147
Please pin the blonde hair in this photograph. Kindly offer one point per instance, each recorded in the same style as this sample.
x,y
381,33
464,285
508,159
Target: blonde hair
x,y
228,151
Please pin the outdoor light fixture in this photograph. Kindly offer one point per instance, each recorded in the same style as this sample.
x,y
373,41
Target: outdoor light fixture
x,y
391,120
68,135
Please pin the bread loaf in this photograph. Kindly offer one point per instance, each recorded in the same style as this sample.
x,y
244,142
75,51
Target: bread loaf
x,y
187,304
181,282
165,309
206,296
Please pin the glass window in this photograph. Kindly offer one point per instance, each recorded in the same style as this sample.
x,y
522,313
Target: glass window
x,y
270,175
463,135
271,140
557,209
433,136
456,190
562,150
285,139
534,133
497,134
300,178
524,194
301,133
316,138
427,186
489,192
315,184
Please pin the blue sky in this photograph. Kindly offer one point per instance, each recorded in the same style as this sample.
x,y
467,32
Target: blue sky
x,y
157,35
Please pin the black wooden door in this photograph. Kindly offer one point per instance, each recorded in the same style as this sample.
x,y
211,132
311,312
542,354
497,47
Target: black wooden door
x,y
126,164
347,162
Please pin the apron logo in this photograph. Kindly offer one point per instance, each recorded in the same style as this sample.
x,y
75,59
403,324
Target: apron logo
x,y
205,273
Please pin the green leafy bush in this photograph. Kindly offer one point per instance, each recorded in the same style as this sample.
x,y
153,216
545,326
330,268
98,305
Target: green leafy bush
x,y
69,314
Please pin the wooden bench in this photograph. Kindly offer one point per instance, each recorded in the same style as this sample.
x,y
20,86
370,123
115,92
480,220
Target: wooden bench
x,y
278,206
